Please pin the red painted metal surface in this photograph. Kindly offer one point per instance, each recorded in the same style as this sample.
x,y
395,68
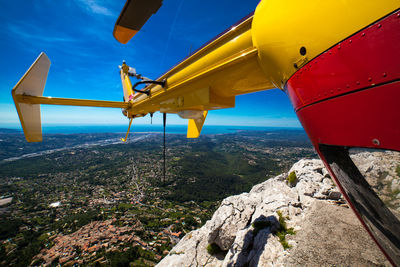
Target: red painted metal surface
x,y
350,95
368,58
367,118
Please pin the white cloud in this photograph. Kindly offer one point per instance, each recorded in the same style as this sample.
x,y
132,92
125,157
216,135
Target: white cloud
x,y
94,7
29,33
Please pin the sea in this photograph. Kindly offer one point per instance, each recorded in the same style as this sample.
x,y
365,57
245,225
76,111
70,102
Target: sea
x,y
170,129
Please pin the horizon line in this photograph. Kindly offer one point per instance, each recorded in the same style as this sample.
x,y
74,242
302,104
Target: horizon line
x,y
14,126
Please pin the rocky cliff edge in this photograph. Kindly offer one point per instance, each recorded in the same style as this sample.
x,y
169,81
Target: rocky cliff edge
x,y
281,223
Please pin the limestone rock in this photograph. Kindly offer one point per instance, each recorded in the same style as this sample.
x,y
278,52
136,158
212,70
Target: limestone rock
x,y
246,227
233,214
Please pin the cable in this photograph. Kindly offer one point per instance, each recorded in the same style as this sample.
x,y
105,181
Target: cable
x,y
164,123
162,83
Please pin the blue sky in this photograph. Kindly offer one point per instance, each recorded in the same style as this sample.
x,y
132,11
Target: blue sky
x,y
77,37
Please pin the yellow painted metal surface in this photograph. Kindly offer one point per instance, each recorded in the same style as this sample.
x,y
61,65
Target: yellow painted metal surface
x,y
126,82
209,79
201,99
281,27
32,83
195,126
227,67
26,99
127,133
